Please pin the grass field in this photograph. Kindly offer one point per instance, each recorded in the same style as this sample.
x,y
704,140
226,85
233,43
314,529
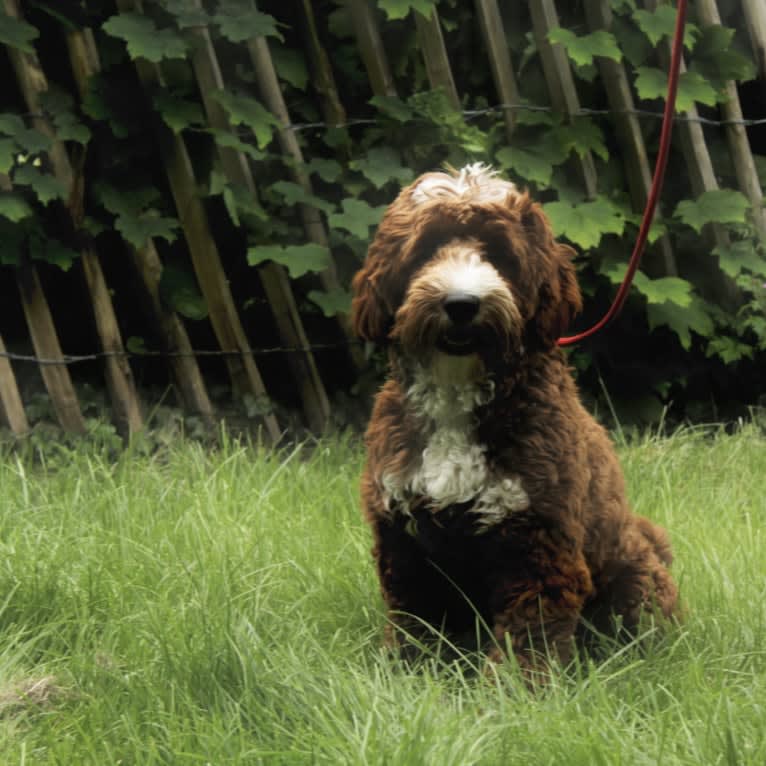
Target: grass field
x,y
220,607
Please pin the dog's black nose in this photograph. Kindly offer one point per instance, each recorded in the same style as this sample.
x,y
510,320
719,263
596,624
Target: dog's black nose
x,y
461,307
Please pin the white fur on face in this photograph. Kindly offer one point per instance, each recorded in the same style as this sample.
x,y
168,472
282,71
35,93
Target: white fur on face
x,y
476,182
463,270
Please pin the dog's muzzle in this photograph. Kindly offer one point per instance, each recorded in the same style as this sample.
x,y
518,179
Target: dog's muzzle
x,y
461,336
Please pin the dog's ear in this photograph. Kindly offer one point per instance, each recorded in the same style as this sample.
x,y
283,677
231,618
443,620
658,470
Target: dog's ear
x,y
559,298
371,317
377,287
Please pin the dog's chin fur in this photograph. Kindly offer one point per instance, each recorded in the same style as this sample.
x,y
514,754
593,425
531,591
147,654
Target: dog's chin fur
x,y
490,491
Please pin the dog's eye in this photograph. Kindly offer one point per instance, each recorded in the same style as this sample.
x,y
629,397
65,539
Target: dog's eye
x,y
505,262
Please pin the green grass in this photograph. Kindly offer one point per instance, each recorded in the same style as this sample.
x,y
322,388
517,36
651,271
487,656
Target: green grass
x,y
220,607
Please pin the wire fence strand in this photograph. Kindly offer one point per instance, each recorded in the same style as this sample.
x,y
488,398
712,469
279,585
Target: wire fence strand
x,y
67,359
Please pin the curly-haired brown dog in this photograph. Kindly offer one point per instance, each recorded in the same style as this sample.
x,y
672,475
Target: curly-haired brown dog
x,y
489,488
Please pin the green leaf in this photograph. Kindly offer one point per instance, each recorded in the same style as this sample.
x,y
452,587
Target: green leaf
x,y
136,345
728,349
180,292
662,23
14,207
29,140
399,9
327,170
12,238
298,259
585,223
290,65
582,135
528,165
381,165
240,203
692,86
295,194
7,155
60,106
393,107
177,112
741,256
717,206
244,110
42,248
333,302
228,140
582,50
139,229
664,289
144,39
46,186
239,22
682,320
357,217
186,14
633,43
16,33
716,57
125,200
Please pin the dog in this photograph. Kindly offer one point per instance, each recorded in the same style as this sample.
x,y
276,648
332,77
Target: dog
x,y
491,492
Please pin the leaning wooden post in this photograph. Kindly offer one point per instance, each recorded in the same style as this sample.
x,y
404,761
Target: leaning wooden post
x,y
276,284
46,344
11,406
561,84
736,134
175,339
659,261
371,47
720,288
268,84
322,74
45,340
431,42
244,373
33,83
755,22
493,34
84,58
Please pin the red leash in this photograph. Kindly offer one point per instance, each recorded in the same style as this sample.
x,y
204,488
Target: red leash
x,y
657,180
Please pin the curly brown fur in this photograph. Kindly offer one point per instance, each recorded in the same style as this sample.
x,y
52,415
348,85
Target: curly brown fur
x,y
490,490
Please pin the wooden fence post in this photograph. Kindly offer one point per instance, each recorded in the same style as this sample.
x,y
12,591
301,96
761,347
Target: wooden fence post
x,y
736,134
324,80
32,83
175,339
274,279
435,57
45,341
11,406
755,21
84,59
719,287
493,34
660,261
561,84
268,84
46,344
243,371
371,47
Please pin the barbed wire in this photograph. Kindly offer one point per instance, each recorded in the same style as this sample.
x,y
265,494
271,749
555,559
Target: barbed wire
x,y
67,359
472,114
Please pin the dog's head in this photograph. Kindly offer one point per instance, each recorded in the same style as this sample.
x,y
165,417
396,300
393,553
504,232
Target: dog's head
x,y
464,263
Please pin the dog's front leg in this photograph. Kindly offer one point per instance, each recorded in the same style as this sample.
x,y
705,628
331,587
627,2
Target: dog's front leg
x,y
536,606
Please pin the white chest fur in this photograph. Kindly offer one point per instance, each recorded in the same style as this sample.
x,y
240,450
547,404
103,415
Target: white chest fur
x,y
452,467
